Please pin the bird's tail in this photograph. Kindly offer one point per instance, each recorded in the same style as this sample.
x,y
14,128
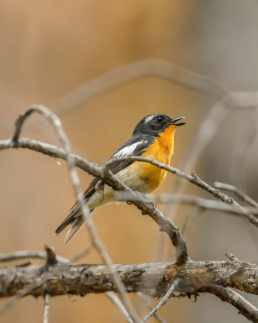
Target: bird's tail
x,y
76,222
75,227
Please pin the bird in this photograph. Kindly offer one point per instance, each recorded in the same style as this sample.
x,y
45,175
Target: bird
x,y
153,137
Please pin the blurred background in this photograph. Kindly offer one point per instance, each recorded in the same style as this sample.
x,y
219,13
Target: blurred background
x,y
50,48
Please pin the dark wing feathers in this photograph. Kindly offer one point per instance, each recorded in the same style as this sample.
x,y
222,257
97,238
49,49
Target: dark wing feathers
x,y
137,149
143,143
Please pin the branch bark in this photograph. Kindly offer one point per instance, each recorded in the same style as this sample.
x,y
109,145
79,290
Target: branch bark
x,y
152,279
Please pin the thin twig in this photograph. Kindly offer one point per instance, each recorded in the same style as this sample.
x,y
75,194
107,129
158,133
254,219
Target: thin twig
x,y
205,134
46,308
134,71
238,192
164,299
112,296
230,296
192,215
231,257
239,156
148,303
4,257
210,126
81,254
223,197
55,121
51,255
205,204
201,140
103,173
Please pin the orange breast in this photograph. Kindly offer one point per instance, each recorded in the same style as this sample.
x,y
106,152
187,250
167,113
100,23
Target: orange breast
x,y
161,150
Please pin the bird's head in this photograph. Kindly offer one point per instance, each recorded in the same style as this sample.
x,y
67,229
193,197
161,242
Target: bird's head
x,y
154,124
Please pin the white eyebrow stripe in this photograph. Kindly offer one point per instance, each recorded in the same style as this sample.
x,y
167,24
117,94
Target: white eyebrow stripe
x,y
149,118
129,150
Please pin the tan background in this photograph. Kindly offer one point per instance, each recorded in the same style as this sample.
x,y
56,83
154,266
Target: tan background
x,y
48,48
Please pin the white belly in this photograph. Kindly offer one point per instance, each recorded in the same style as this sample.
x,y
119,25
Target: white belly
x,y
129,178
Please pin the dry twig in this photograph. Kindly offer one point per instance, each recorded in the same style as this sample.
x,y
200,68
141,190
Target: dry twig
x,y
55,121
163,301
186,270
148,303
230,296
134,71
63,279
46,308
206,204
114,299
27,254
238,192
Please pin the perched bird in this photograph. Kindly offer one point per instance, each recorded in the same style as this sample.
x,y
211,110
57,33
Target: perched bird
x,y
153,137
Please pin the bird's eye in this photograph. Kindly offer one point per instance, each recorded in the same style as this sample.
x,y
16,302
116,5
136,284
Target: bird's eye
x,y
160,119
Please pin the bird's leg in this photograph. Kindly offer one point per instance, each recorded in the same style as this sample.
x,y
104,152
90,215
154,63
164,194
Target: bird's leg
x,y
100,188
141,197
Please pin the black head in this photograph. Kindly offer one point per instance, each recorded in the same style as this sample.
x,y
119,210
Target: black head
x,y
154,124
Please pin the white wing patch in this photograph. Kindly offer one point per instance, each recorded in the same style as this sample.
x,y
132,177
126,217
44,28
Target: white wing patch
x,y
128,151
149,118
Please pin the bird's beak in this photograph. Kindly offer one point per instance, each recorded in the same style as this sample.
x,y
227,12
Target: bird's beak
x,y
177,119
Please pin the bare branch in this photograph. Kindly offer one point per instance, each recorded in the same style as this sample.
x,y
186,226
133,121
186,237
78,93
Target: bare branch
x,y
145,207
55,121
207,131
238,192
134,71
104,174
148,303
120,305
231,257
46,308
28,254
164,299
240,152
51,255
152,279
205,204
230,296
81,254
194,213
210,126
222,197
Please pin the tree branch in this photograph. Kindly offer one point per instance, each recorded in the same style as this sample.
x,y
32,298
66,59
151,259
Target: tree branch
x,y
46,308
238,192
104,174
152,279
230,296
56,123
134,71
27,254
205,204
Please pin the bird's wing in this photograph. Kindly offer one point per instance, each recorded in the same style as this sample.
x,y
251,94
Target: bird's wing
x,y
133,147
